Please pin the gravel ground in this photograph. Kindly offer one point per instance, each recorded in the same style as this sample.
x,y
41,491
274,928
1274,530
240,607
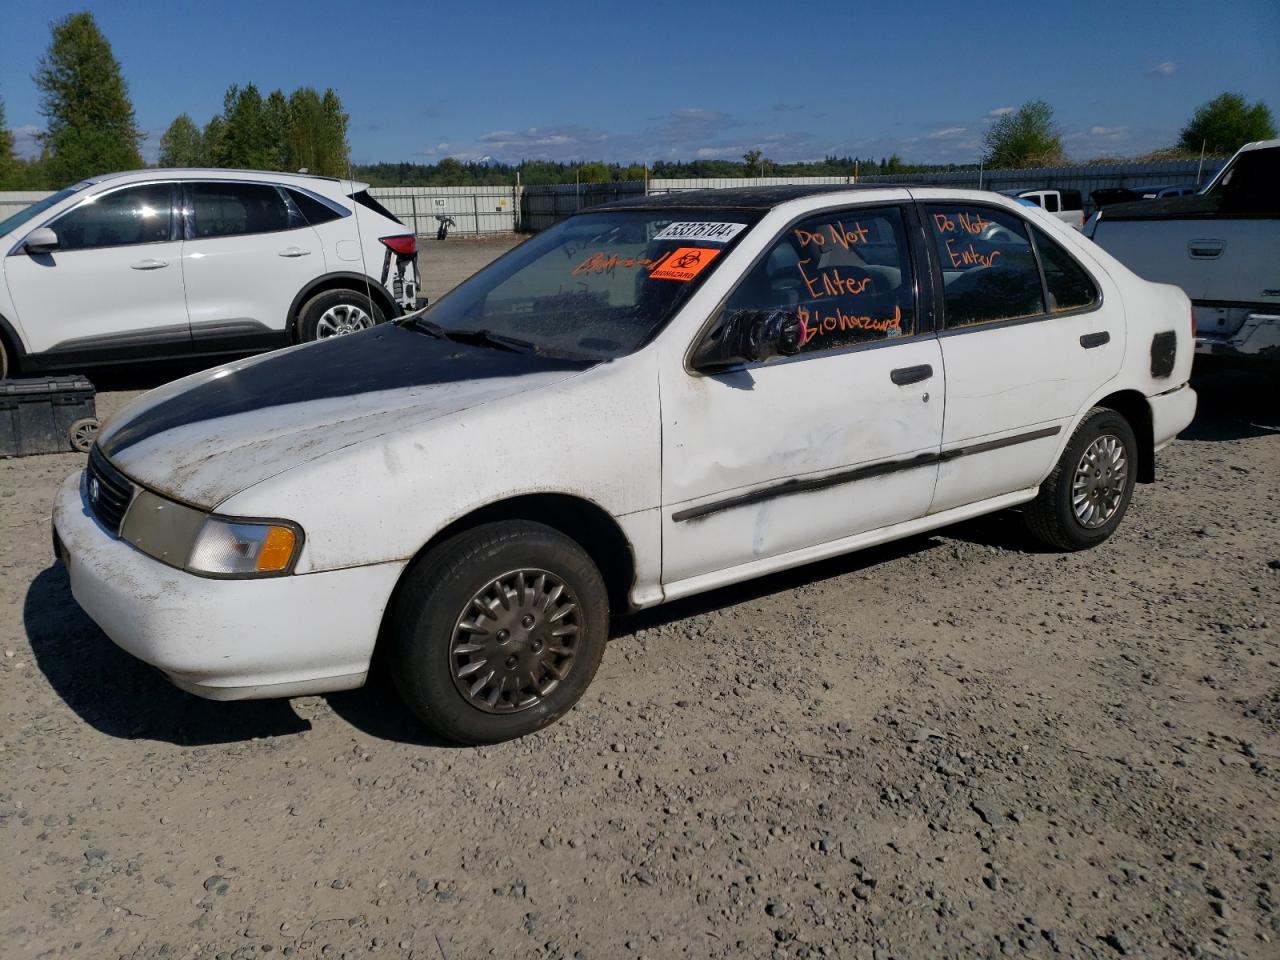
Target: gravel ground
x,y
957,745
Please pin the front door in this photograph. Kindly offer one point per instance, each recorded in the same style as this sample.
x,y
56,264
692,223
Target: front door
x,y
1027,339
113,287
769,459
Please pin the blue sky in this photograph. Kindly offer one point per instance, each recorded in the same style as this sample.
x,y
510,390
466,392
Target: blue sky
x,y
658,80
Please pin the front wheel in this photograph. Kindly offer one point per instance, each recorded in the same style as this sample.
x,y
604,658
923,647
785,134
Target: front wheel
x,y
1083,500
497,632
336,313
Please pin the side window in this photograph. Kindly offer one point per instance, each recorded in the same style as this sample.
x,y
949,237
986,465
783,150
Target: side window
x,y
1051,202
989,270
1070,287
312,209
1034,198
128,216
1071,200
846,274
226,209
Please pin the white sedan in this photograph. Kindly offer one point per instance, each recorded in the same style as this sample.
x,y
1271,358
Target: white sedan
x,y
651,399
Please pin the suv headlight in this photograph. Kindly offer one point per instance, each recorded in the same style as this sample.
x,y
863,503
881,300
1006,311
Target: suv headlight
x,y
225,547
209,545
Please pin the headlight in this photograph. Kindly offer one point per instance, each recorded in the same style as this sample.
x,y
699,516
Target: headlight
x,y
244,548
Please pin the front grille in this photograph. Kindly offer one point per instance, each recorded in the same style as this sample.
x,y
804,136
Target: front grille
x,y
110,491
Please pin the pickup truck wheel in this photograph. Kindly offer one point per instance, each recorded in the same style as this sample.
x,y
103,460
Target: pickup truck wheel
x,y
336,313
497,632
1085,497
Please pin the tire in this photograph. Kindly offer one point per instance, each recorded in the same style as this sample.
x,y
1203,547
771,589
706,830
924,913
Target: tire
x,y
4,359
82,434
337,313
1053,517
436,620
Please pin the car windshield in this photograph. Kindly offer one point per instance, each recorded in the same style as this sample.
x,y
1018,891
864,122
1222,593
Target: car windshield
x,y
596,286
12,223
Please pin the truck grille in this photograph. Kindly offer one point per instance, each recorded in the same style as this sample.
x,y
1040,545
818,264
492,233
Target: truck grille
x,y
110,491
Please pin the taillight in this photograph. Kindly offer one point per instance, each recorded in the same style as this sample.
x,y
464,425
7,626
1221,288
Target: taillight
x,y
406,244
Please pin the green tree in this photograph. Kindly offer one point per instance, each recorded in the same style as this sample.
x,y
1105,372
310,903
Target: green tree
x,y
90,126
8,159
594,173
333,151
1027,138
1226,123
275,132
752,161
182,145
211,142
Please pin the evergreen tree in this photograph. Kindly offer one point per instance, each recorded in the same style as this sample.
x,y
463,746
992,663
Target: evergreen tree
x,y
8,159
90,126
182,144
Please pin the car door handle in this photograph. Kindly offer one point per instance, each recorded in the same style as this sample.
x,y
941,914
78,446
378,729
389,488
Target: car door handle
x,y
294,252
1091,340
1206,249
905,375
151,263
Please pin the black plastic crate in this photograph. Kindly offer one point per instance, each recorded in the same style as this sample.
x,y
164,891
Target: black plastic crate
x,y
46,415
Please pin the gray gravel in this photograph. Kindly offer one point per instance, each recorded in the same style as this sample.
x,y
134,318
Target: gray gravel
x,y
953,746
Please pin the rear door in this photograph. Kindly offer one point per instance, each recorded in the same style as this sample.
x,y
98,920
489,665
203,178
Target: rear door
x,y
248,254
1029,335
113,288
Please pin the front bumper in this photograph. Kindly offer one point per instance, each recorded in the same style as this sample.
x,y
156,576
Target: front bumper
x,y
224,639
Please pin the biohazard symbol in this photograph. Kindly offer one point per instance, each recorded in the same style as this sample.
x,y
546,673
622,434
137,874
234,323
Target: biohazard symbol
x,y
685,264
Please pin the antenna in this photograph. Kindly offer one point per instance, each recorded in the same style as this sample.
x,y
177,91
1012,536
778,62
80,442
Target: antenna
x,y
355,213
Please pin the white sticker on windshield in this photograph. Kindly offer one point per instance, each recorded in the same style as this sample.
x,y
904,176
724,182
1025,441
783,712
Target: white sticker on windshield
x,y
701,230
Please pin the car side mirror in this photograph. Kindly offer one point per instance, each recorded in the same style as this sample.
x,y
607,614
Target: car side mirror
x,y
749,336
41,240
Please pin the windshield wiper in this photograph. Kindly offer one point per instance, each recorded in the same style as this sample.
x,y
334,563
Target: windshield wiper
x,y
427,326
487,338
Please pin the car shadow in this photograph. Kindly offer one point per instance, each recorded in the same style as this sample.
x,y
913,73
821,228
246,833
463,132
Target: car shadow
x,y
147,376
122,697
1234,405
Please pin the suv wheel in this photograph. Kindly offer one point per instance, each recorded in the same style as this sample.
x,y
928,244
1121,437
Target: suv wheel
x,y
4,359
336,313
497,632
1086,496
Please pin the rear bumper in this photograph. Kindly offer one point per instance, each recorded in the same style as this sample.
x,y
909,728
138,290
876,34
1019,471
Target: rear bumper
x,y
1257,342
224,639
1171,413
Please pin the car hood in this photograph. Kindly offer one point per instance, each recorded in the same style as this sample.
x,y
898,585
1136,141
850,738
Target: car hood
x,y
207,437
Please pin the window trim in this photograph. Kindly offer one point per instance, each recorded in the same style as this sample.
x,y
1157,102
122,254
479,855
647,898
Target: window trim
x,y
296,221
936,265
174,232
922,298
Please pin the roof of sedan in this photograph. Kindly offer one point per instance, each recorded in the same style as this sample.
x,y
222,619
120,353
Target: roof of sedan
x,y
736,198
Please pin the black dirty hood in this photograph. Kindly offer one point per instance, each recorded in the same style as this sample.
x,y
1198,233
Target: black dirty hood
x,y
208,436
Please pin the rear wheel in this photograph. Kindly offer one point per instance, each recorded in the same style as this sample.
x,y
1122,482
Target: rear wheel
x,y
336,313
497,632
1084,499
4,359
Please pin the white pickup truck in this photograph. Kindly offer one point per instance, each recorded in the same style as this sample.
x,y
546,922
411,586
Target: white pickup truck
x,y
1221,246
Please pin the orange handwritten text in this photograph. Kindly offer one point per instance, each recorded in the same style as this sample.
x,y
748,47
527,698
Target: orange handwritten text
x,y
829,283
966,223
838,232
969,257
814,325
600,263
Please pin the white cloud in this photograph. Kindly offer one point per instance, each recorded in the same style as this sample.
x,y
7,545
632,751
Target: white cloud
x,y
1000,112
946,132
1166,69
1112,133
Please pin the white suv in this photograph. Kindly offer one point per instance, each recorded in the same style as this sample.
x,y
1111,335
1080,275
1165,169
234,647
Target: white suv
x,y
161,264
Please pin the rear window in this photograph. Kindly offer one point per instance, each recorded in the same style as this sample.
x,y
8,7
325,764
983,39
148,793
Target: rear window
x,y
1070,286
1252,185
366,201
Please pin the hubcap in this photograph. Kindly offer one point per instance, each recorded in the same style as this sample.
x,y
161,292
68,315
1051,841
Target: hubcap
x,y
1100,481
341,319
515,641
